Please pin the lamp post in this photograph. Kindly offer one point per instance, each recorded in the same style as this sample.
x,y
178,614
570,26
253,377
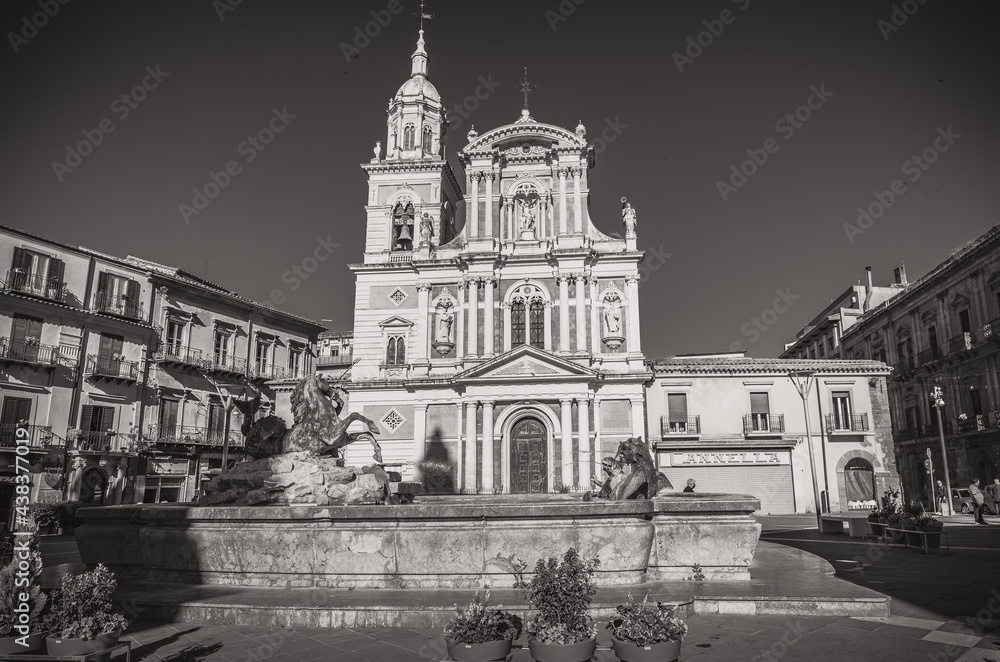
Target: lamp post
x,y
937,394
803,380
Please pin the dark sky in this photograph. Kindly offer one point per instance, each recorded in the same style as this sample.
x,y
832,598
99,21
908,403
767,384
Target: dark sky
x,y
679,134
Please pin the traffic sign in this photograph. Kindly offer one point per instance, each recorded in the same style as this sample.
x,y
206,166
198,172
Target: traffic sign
x,y
928,453
928,464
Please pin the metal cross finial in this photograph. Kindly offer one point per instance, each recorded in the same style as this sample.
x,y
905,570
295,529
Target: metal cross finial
x,y
424,15
525,86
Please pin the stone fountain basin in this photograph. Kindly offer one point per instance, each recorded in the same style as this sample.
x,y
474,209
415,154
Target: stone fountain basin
x,y
439,542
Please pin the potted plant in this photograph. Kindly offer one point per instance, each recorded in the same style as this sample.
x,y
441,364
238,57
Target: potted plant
x,y
908,521
46,516
82,620
480,633
932,527
561,592
67,516
874,521
646,632
19,635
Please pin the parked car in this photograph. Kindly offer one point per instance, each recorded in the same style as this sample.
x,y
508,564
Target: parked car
x,y
961,501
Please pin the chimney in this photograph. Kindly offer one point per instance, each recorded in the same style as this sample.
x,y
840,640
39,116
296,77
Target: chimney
x,y
868,292
900,274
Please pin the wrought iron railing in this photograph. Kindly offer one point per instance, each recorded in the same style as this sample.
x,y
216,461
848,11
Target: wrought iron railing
x,y
341,359
26,283
991,330
189,434
972,423
688,425
850,423
123,306
106,442
763,423
28,352
907,434
961,342
108,366
224,363
905,364
39,436
928,355
171,353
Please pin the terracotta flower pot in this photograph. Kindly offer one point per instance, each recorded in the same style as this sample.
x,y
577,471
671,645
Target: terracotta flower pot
x,y
74,646
9,645
628,651
485,652
578,652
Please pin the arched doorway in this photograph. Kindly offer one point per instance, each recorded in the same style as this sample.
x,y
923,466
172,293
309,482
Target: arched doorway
x,y
93,486
528,457
859,480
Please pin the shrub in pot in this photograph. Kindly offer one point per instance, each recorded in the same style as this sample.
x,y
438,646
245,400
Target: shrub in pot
x,y
561,593
480,632
932,527
895,521
908,520
67,515
646,632
22,632
46,516
82,619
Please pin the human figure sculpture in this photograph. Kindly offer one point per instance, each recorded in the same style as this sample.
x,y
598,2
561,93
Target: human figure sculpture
x,y
426,229
528,212
613,316
628,218
446,321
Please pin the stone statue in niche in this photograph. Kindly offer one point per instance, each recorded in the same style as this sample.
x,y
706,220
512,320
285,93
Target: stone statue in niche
x,y
529,212
628,218
612,316
445,324
426,229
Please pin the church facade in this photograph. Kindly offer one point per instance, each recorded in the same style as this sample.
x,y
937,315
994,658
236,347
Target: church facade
x,y
497,330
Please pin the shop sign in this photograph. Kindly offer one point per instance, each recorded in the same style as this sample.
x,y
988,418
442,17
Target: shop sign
x,y
707,458
168,467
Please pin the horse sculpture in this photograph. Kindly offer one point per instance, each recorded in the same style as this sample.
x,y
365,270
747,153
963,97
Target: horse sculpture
x,y
318,429
630,474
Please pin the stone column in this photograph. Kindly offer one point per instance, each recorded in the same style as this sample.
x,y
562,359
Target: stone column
x,y
577,202
566,453
632,285
474,201
595,321
473,341
562,201
489,202
505,346
563,312
489,327
460,322
638,420
423,300
583,435
459,454
419,438
547,318
471,456
581,315
488,447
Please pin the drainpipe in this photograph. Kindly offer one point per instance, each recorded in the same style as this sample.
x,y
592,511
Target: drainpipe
x,y
868,294
822,442
84,339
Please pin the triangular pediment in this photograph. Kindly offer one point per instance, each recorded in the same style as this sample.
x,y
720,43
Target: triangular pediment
x,y
526,363
395,320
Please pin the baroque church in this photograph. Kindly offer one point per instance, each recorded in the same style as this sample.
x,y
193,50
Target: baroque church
x,y
496,329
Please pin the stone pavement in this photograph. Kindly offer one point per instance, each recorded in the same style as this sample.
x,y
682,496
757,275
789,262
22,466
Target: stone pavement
x,y
945,607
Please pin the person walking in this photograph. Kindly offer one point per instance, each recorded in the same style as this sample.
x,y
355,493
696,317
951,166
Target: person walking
x,y
978,501
690,485
994,492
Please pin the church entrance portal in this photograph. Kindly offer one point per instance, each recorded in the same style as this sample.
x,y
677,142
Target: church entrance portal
x,y
528,457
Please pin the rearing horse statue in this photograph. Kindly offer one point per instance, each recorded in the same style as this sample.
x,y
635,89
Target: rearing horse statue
x,y
316,406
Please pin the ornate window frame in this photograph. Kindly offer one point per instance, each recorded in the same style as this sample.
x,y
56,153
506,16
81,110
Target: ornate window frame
x,y
528,292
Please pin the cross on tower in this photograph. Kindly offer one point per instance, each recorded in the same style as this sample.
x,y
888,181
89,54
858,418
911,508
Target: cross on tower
x,y
424,15
525,86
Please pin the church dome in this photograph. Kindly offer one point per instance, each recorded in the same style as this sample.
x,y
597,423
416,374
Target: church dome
x,y
418,85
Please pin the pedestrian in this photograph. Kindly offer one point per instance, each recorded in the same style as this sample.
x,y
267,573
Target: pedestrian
x,y
942,498
690,485
994,492
978,501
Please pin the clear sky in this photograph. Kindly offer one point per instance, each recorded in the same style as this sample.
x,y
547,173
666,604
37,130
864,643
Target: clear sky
x,y
685,115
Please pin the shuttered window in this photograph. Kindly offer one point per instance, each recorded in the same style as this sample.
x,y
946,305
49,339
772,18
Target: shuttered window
x,y
677,407
97,419
759,403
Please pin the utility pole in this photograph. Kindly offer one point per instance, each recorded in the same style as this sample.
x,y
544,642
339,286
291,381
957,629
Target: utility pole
x,y
803,380
938,395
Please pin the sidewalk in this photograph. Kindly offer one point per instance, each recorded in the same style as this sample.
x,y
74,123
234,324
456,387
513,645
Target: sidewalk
x,y
943,608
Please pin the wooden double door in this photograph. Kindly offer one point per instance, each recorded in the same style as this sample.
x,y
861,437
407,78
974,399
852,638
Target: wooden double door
x,y
528,457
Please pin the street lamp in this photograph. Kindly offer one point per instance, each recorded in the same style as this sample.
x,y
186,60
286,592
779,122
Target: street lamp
x,y
803,380
937,394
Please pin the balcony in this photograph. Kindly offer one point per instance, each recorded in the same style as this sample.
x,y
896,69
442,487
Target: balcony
x,y
931,429
689,426
223,364
171,354
907,434
109,367
928,355
39,436
755,424
35,285
105,442
187,434
961,342
31,353
328,361
991,330
120,306
288,373
853,423
904,364
973,423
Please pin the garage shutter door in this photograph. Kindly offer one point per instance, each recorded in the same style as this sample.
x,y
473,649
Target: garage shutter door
x,y
772,485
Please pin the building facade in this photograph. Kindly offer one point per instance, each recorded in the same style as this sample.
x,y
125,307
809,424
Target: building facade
x,y
497,332
736,424
942,331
